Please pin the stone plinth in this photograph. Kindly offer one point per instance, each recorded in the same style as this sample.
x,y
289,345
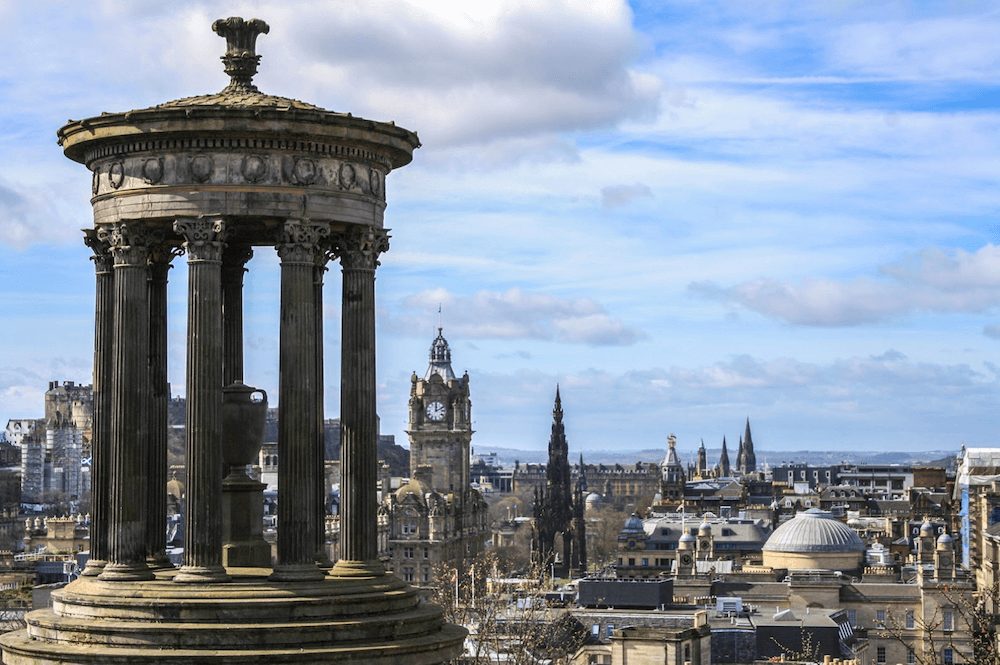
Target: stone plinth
x,y
248,620
243,541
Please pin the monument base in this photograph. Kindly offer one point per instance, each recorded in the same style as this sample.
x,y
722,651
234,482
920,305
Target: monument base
x,y
242,524
249,620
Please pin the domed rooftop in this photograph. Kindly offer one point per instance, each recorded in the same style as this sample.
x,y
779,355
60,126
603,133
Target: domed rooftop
x,y
633,524
414,486
814,530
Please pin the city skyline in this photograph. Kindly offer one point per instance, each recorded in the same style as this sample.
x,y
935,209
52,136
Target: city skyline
x,y
684,214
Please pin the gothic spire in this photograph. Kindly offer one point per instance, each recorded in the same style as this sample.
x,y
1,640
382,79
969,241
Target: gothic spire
x,y
749,456
557,411
724,468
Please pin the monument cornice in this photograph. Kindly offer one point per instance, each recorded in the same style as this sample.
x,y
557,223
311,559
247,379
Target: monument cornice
x,y
184,127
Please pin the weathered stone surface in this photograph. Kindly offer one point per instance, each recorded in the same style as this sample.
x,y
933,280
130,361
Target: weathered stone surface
x,y
220,174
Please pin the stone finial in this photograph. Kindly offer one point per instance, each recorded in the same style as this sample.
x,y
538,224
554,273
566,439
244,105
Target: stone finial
x,y
241,59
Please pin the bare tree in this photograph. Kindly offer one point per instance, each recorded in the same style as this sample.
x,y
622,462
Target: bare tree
x,y
962,621
507,617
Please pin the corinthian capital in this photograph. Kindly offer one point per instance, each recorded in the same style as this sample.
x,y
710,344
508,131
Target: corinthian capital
x,y
302,241
204,239
358,247
103,262
128,242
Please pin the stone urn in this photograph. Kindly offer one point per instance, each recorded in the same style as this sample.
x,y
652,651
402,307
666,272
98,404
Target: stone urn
x,y
244,412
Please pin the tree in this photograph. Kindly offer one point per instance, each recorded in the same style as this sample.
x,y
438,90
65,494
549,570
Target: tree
x,y
507,618
961,619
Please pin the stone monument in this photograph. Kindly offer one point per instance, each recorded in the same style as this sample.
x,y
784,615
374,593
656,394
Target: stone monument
x,y
214,178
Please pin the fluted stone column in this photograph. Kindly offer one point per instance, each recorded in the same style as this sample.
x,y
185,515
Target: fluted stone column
x,y
298,420
156,487
358,249
203,243
101,428
322,557
129,447
234,260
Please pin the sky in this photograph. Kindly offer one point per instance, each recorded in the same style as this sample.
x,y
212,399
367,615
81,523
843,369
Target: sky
x,y
684,213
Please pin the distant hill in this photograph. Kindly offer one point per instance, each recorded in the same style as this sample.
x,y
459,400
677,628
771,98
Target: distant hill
x,y
771,457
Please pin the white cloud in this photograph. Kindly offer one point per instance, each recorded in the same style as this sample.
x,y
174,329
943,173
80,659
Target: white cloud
x,y
614,196
934,280
517,314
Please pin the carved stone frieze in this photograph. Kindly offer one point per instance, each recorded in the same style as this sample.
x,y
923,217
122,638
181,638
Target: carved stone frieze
x,y
254,168
301,241
201,167
116,174
358,248
152,170
204,239
120,174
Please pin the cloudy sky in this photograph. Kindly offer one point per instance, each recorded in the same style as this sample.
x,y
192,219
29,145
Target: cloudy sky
x,y
685,213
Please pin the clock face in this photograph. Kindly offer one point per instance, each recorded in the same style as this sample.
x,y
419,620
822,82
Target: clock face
x,y
685,559
435,411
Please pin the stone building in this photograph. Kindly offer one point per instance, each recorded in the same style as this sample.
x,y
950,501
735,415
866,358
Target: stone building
x,y
619,485
436,518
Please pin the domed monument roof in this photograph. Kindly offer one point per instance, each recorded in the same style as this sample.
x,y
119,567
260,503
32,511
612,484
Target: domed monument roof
x,y
814,530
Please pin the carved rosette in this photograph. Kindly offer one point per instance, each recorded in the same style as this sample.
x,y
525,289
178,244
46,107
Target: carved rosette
x,y
358,248
204,239
129,243
302,241
103,261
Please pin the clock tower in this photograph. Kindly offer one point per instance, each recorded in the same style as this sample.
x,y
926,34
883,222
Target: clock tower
x,y
440,422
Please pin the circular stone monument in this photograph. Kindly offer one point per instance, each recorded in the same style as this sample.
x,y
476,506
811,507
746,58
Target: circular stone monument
x,y
215,178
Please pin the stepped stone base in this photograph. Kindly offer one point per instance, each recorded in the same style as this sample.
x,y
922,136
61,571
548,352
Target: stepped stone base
x,y
251,620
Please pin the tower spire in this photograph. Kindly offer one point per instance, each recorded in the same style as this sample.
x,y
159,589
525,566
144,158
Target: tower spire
x,y
749,456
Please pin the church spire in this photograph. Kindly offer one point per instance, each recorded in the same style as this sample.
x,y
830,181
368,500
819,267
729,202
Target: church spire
x,y
724,468
749,456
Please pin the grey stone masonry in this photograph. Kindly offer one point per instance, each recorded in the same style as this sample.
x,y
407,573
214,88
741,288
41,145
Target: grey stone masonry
x,y
203,243
129,406
358,249
156,496
298,420
101,429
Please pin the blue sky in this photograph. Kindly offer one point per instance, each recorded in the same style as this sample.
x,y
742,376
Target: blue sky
x,y
685,213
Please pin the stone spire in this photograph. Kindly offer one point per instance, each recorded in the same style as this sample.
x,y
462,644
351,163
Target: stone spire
x,y
724,469
749,457
701,467
741,457
440,359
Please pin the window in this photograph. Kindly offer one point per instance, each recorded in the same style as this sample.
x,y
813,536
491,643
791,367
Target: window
x,y
426,575
948,621
595,630
408,574
911,657
610,629
407,553
426,553
880,617
852,617
631,561
909,620
948,656
880,655
645,561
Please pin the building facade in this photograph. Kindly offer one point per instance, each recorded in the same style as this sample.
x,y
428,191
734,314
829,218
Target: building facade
x,y
436,520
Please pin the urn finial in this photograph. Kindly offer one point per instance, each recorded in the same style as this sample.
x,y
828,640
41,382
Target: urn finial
x,y
241,59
